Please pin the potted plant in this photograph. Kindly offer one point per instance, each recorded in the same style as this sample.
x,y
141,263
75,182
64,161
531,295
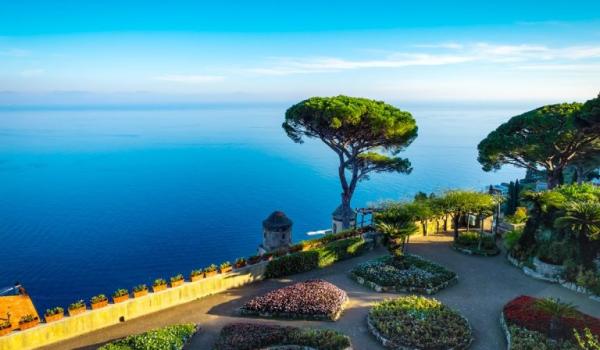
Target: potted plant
x,y
98,301
225,267
77,308
5,328
196,275
54,314
210,271
159,284
239,263
120,295
254,259
177,280
28,321
140,290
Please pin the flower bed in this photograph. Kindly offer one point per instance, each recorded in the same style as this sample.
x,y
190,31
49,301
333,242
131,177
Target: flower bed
x,y
322,256
416,322
249,336
171,337
411,274
524,320
468,243
312,299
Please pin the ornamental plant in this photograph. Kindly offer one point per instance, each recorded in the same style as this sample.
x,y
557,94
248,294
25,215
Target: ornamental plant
x,y
529,313
167,338
420,323
225,265
240,262
140,288
54,311
27,318
312,299
76,305
177,278
5,324
98,298
120,293
159,282
196,272
210,268
250,336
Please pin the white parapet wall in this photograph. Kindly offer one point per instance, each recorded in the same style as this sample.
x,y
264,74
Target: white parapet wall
x,y
91,320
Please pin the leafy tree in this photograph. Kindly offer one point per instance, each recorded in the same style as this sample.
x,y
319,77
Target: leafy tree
x,y
583,219
396,223
458,204
366,135
421,211
548,137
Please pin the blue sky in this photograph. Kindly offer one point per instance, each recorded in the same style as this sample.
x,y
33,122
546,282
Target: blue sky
x,y
176,51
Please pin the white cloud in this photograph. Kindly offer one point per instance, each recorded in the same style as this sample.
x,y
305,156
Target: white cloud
x,y
451,54
190,79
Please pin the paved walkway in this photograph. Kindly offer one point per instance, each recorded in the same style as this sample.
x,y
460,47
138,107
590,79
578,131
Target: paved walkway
x,y
485,285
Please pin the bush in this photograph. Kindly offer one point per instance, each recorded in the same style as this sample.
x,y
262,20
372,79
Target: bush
x,y
312,299
470,240
250,336
555,252
519,217
525,339
419,322
589,279
409,273
511,238
167,338
318,257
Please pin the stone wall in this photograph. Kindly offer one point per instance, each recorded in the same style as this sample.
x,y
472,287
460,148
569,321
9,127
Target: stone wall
x,y
112,314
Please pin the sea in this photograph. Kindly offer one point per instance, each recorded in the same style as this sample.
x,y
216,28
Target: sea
x,y
93,199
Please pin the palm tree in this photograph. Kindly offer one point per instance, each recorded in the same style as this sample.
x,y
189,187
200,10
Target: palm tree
x,y
398,235
540,203
557,310
583,219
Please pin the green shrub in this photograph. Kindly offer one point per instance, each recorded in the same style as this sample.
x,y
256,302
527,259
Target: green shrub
x,y
167,338
318,257
589,279
511,238
471,240
519,217
555,252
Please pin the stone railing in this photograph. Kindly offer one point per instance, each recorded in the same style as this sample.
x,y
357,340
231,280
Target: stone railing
x,y
91,320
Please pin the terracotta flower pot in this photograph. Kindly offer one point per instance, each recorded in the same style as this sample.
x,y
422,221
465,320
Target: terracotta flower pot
x,y
77,311
5,331
159,288
210,274
55,317
141,293
226,269
99,304
30,324
177,283
195,278
120,299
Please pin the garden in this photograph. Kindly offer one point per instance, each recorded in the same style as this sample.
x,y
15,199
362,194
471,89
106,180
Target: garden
x,y
170,337
560,240
250,336
416,322
312,299
548,324
411,273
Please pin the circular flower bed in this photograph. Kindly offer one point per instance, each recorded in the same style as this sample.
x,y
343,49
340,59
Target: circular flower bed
x,y
471,243
249,336
410,274
528,322
312,299
416,322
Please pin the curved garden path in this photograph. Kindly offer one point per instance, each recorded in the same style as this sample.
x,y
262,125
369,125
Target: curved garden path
x,y
485,285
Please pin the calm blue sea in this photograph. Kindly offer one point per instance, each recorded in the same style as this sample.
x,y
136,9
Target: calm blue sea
x,y
95,200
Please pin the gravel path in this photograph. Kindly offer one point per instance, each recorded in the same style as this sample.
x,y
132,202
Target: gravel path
x,y
485,285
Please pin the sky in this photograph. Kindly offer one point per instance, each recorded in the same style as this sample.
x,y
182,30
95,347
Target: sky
x,y
103,52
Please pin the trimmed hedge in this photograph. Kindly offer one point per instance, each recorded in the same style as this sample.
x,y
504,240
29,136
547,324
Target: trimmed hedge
x,y
171,337
318,257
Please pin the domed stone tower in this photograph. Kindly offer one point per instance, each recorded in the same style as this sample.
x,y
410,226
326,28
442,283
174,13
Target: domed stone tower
x,y
338,218
277,232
